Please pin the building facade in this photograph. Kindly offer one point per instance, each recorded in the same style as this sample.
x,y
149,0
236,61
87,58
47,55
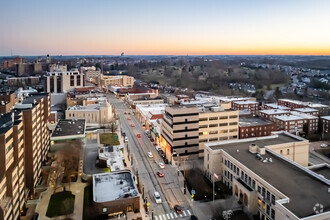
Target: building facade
x,y
251,106
59,82
255,127
118,80
271,113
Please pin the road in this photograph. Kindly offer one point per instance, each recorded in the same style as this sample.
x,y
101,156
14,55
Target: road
x,y
170,186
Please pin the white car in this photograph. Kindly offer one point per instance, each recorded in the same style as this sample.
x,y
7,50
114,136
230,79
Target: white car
x,y
125,139
150,154
161,165
157,197
323,145
158,148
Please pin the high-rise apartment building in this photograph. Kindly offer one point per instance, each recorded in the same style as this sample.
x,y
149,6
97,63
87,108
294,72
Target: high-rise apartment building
x,y
12,172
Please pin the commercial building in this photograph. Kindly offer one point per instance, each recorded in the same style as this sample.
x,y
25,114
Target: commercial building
x,y
153,101
66,81
266,175
93,76
115,193
180,132
71,129
270,114
97,114
255,127
13,193
147,114
216,124
251,106
23,81
118,80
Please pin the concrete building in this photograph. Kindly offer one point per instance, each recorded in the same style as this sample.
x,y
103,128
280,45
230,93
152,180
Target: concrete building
x,y
57,68
93,76
13,193
23,81
179,132
267,175
217,124
307,110
97,114
251,106
255,127
229,100
71,129
35,109
118,80
112,157
115,193
59,82
271,113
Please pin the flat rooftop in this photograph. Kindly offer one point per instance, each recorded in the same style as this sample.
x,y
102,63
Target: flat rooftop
x,y
248,102
303,115
30,99
306,110
326,117
288,117
323,170
274,111
253,121
69,127
303,189
276,106
113,186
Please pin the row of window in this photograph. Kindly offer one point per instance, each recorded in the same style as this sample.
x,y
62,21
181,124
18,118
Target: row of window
x,y
218,139
257,128
217,125
217,118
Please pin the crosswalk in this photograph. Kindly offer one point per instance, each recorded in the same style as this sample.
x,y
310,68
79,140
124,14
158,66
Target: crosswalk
x,y
172,215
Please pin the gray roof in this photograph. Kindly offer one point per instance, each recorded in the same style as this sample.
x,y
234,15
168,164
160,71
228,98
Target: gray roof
x,y
303,190
69,127
253,121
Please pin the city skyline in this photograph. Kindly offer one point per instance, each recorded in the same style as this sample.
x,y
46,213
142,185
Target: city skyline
x,y
165,28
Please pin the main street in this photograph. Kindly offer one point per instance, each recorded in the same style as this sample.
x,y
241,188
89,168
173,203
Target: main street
x,y
170,186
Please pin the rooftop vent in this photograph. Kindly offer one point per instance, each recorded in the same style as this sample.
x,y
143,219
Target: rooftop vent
x,y
253,148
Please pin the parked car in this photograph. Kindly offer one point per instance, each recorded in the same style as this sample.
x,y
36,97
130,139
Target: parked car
x,y
163,156
157,197
132,125
165,161
323,145
161,152
161,165
125,139
138,135
158,148
150,154
160,174
178,209
128,118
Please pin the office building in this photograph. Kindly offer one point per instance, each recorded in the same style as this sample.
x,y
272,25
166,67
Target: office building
x,y
117,80
61,82
266,175
271,113
180,132
217,124
255,127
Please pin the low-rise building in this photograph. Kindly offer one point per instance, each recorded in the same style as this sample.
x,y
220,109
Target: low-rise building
x,y
112,157
251,106
325,125
311,122
115,193
307,110
290,123
255,127
146,114
229,100
7,101
68,129
275,106
99,114
292,104
117,80
270,114
264,173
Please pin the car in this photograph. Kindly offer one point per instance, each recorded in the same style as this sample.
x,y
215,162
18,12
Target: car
x,y
128,118
161,152
157,148
132,125
138,135
125,139
160,174
157,197
125,113
161,165
163,156
150,154
165,161
178,209
323,145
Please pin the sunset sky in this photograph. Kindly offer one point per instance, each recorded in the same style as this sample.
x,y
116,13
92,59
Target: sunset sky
x,y
168,27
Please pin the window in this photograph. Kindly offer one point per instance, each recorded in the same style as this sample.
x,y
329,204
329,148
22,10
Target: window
x,y
249,181
268,210
233,116
242,174
253,184
72,80
281,151
237,171
259,189
233,123
213,125
203,119
263,192
213,118
268,195
272,214
223,124
273,199
223,117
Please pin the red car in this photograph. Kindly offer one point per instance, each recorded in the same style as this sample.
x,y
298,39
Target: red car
x,y
128,118
160,174
138,135
132,125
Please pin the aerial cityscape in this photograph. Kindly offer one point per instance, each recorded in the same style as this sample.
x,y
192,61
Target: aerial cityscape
x,y
160,110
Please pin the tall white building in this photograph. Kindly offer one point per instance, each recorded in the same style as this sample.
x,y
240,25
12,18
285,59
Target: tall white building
x,y
65,81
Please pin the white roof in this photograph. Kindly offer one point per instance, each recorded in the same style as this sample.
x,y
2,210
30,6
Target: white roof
x,y
276,106
306,110
288,117
149,110
303,115
327,117
245,102
274,111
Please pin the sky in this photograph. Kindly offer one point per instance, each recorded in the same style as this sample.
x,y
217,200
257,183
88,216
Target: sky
x,y
168,27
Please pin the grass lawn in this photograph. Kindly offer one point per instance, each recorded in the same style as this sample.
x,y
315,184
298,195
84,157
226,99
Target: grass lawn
x,y
61,203
109,139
